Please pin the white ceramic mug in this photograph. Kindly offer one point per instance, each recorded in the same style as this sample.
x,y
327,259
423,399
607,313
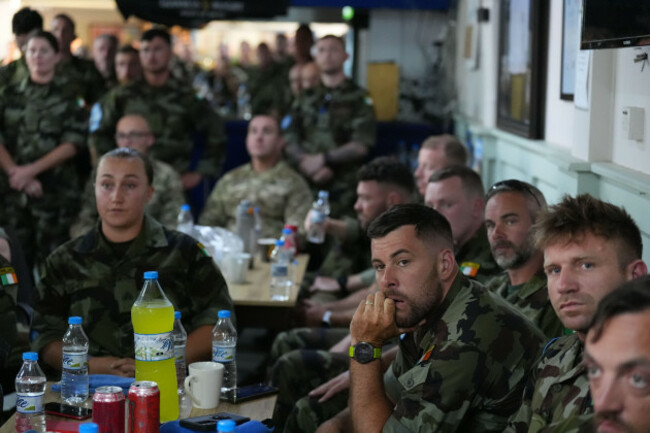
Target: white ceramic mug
x,y
203,384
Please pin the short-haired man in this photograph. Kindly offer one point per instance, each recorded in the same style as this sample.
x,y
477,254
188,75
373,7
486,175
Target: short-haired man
x,y
330,130
25,23
511,208
457,193
133,131
280,194
436,152
172,110
104,49
617,359
98,276
450,373
127,65
309,76
590,247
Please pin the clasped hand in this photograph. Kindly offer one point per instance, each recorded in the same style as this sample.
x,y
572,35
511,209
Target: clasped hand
x,y
374,321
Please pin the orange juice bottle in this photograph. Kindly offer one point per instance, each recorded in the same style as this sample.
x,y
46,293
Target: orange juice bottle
x,y
152,316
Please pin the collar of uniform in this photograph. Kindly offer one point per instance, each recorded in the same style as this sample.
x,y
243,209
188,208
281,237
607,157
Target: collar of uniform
x,y
532,286
474,246
345,85
152,235
572,351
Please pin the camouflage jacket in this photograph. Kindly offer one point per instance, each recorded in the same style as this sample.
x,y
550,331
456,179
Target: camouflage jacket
x,y
174,114
87,277
13,73
532,299
267,88
281,195
465,370
80,79
349,257
475,259
167,198
557,389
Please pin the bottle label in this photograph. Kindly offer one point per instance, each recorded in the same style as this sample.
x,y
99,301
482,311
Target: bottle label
x,y
223,353
29,403
317,216
154,347
279,270
75,361
179,352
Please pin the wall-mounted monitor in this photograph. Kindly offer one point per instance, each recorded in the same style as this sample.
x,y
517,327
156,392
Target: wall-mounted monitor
x,y
615,23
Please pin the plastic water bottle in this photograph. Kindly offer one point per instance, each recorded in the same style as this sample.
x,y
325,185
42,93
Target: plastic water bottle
x,y
224,345
152,316
280,283
180,341
89,427
245,224
319,212
289,238
185,220
30,390
74,378
243,102
226,426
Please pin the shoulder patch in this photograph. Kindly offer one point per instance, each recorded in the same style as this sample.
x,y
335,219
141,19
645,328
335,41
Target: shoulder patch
x,y
469,269
427,354
8,276
286,122
95,118
202,248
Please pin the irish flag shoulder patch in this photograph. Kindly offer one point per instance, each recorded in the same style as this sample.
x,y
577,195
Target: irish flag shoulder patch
x,y
8,276
469,269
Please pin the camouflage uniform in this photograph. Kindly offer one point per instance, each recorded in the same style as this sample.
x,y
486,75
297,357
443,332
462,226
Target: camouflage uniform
x,y
281,195
80,79
475,259
557,389
463,371
267,88
13,73
174,113
532,299
164,205
100,281
34,120
325,119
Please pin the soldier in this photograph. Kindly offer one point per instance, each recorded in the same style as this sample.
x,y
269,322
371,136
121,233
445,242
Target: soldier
x,y
436,152
331,129
133,131
511,209
457,193
590,247
172,110
104,50
617,358
450,373
127,65
99,275
281,195
41,131
77,76
267,83
309,76
25,23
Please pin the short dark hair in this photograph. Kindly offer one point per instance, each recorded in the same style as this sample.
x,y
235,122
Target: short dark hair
x,y
387,171
150,34
470,179
631,297
49,37
128,153
26,20
534,197
573,217
336,38
430,225
127,49
455,151
68,20
109,37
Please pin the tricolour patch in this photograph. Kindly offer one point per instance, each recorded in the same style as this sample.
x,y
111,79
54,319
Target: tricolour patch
x,y
469,269
202,248
8,276
427,354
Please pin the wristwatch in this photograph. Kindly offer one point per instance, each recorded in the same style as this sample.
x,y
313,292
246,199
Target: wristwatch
x,y
363,352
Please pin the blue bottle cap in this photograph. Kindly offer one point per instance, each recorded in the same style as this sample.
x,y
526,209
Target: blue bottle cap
x,y
279,243
185,207
286,231
226,425
224,313
324,194
177,314
89,427
30,356
74,320
151,275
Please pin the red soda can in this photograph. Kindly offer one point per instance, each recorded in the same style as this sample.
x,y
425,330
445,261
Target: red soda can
x,y
144,407
108,409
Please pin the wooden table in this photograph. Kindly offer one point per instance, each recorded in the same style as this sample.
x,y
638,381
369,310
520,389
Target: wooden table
x,y
253,303
258,409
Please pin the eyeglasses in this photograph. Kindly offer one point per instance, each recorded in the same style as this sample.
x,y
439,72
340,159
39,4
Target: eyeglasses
x,y
511,185
133,135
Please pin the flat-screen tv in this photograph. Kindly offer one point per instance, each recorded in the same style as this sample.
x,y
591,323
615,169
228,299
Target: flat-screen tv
x,y
615,23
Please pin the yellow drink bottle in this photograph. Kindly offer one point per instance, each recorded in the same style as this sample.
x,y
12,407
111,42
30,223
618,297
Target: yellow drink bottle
x,y
152,316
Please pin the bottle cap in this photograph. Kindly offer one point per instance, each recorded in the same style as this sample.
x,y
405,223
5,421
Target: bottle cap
x,y
226,425
30,356
185,207
151,275
323,194
89,427
286,231
224,314
74,320
279,243
177,314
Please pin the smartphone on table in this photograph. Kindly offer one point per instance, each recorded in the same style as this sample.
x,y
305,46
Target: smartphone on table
x,y
251,392
67,410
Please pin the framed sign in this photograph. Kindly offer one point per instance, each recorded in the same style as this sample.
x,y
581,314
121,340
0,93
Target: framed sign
x,y
522,67
571,23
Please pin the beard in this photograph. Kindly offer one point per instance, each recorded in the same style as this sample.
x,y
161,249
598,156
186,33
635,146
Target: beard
x,y
430,296
520,254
